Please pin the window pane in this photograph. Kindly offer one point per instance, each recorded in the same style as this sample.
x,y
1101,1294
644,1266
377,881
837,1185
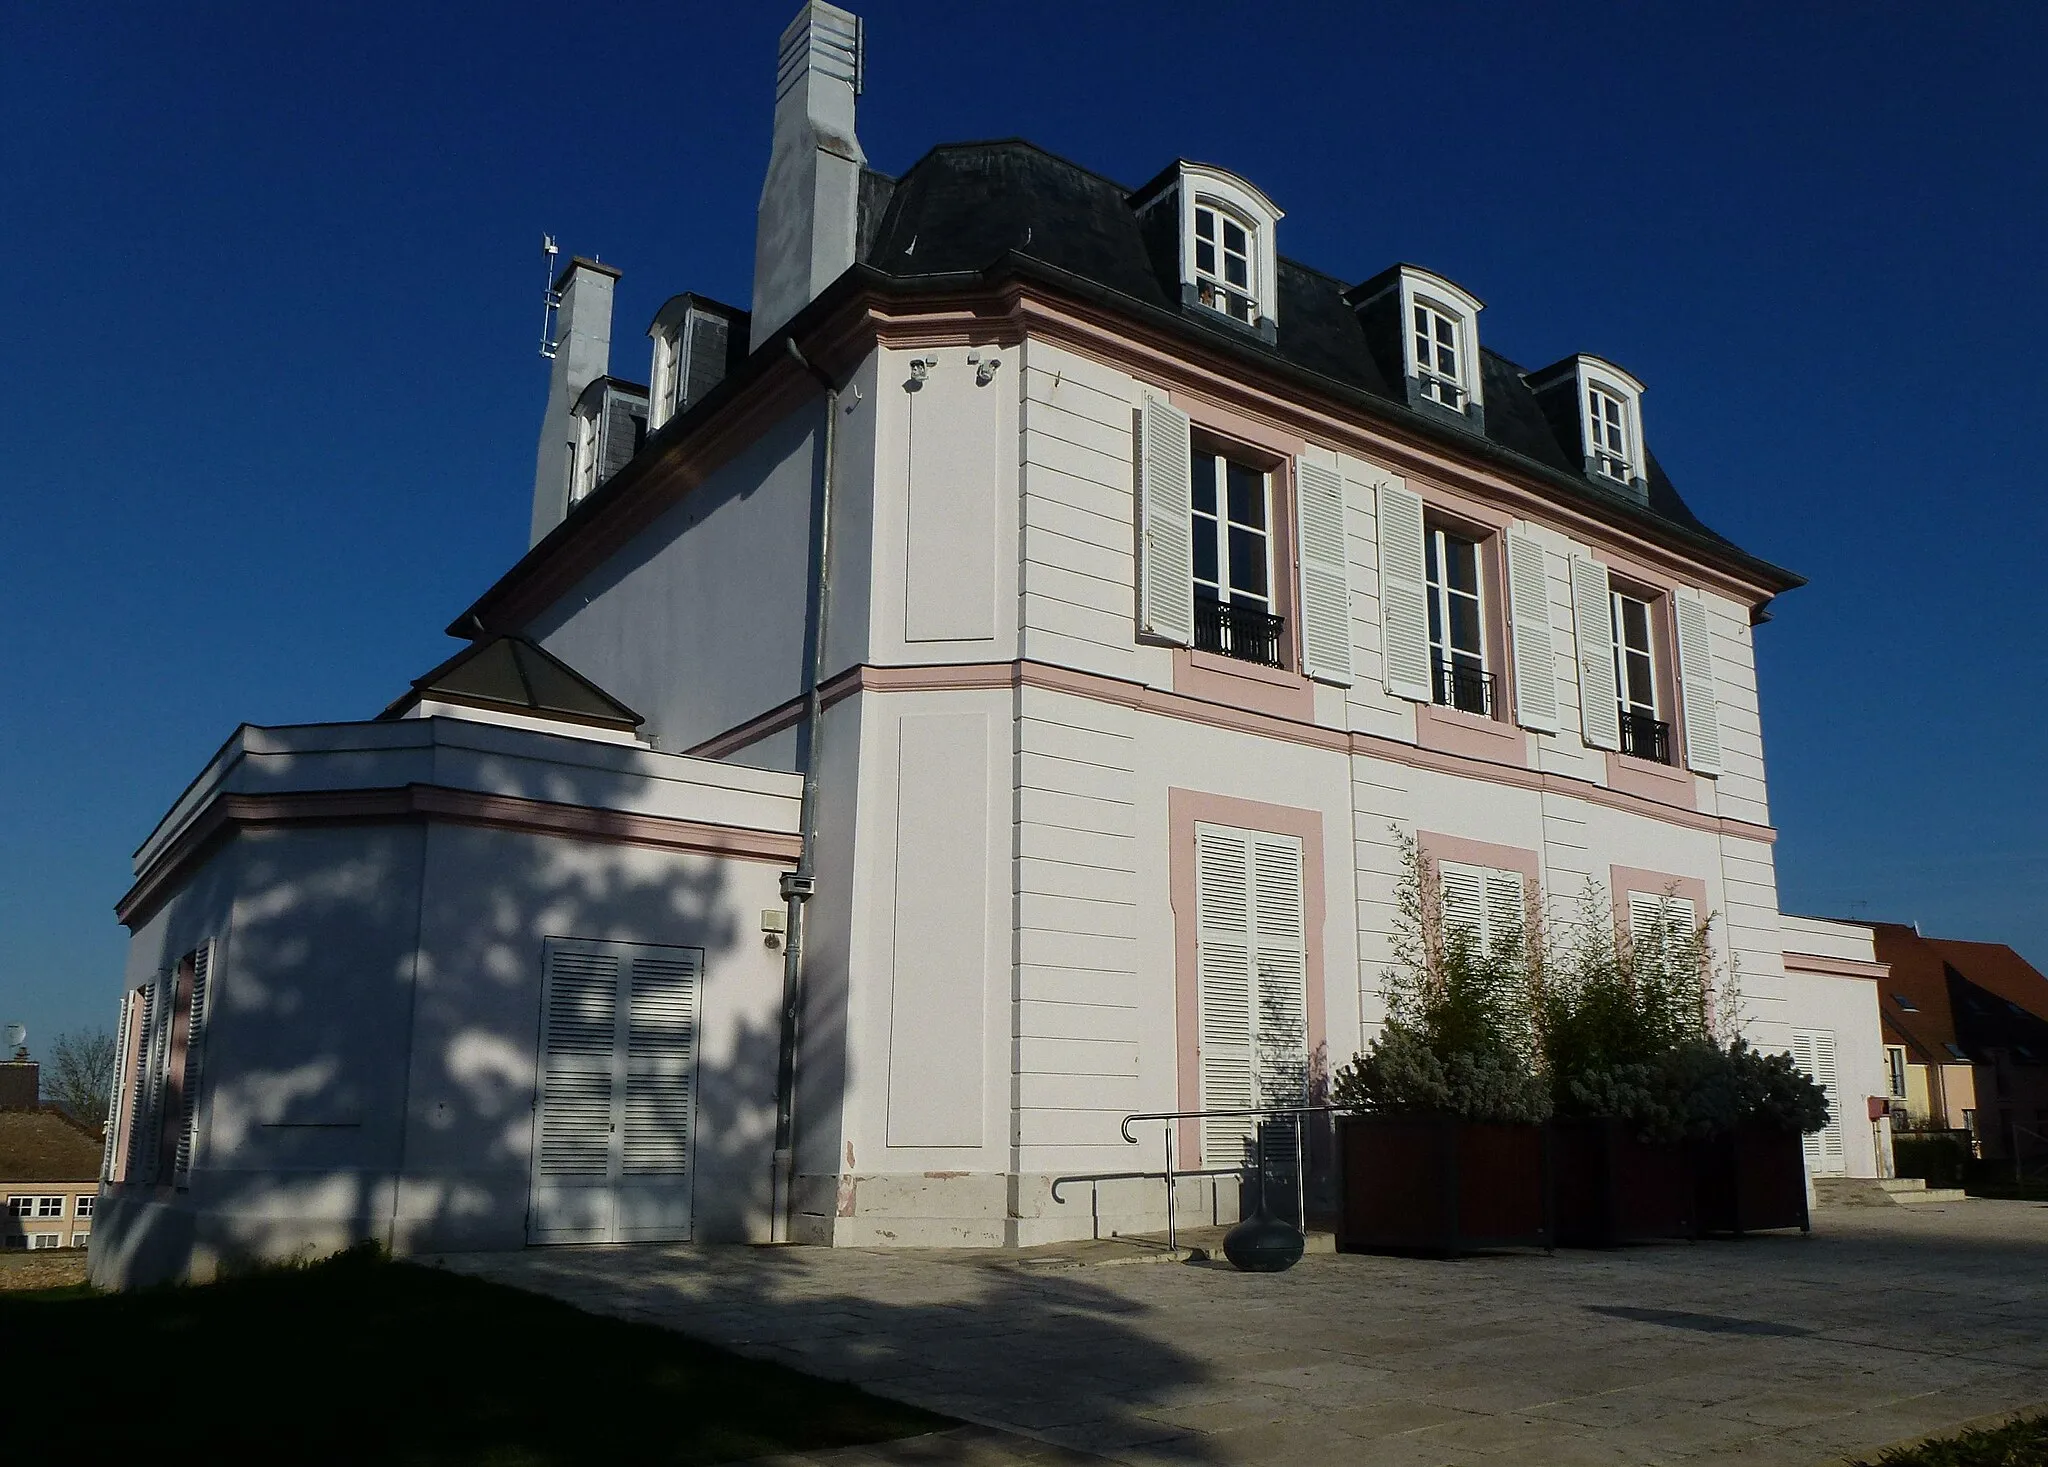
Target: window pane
x,y
1447,361
1233,238
1642,688
1235,271
1445,332
1436,620
1465,624
1205,483
1205,257
1247,561
1635,621
1462,558
1429,541
1205,549
1247,496
1205,224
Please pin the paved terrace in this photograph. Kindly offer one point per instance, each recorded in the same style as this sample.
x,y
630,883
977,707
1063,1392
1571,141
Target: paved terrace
x,y
1887,1323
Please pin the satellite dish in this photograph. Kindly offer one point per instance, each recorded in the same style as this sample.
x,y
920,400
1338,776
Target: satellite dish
x,y
17,1035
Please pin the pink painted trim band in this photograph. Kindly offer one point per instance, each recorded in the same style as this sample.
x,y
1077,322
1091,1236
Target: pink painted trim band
x,y
948,677
1819,965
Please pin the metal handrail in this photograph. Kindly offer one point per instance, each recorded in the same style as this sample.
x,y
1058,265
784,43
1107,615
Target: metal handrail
x,y
1169,1116
1073,1177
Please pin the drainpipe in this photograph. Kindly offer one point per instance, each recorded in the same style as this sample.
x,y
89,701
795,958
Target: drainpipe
x,y
798,885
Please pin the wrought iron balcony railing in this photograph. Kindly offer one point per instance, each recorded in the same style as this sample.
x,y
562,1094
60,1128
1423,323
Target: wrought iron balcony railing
x,y
1243,632
1466,689
1644,737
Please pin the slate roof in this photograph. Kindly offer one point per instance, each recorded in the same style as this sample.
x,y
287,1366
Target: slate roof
x,y
518,676
984,208
1976,996
45,1145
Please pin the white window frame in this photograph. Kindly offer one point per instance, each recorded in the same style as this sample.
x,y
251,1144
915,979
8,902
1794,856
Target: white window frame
x,y
1222,527
1421,290
19,1206
583,457
50,1206
664,386
1436,541
46,1240
1603,380
1648,651
1896,1077
1198,184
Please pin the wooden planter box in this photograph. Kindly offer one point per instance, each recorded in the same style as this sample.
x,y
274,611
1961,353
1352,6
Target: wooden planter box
x,y
1608,1187
1751,1179
1437,1184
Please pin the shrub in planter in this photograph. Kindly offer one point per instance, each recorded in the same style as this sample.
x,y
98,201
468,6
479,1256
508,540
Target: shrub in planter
x,y
1447,1150
1940,1158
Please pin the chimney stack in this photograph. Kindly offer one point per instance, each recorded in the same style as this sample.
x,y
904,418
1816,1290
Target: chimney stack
x,y
809,203
583,353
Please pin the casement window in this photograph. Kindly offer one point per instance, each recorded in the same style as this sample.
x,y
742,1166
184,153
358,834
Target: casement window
x,y
84,1206
1210,550
1251,975
1231,534
1226,276
1457,623
1644,735
1813,1054
583,445
1484,907
157,1094
1607,429
1440,365
50,1206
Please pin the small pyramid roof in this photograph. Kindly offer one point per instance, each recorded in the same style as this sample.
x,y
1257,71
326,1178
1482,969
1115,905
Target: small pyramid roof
x,y
520,676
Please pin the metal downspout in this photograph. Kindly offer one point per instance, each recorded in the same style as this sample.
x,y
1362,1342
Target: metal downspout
x,y
798,885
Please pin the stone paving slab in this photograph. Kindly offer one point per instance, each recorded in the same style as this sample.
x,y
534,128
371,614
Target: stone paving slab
x,y
1773,1351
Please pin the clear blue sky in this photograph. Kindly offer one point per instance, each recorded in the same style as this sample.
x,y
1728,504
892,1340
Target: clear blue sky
x,y
271,396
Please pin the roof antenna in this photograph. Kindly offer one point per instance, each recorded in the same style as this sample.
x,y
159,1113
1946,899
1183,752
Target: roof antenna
x,y
551,299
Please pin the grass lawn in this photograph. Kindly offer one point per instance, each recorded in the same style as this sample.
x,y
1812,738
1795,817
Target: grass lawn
x,y
2016,1444
361,1360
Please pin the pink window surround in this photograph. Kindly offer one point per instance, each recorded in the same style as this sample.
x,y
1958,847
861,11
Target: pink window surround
x,y
1283,692
1497,740
1184,810
1437,849
1626,879
1673,783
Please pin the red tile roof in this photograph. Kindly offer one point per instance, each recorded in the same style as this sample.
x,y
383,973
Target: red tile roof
x,y
46,1145
1920,975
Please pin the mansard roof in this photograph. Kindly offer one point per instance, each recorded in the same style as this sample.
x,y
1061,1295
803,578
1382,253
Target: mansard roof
x,y
983,208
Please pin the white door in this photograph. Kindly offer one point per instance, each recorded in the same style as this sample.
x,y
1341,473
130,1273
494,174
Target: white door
x,y
1813,1051
617,1092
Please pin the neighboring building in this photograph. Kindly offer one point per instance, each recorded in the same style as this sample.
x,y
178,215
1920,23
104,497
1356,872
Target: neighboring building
x,y
1832,983
1966,1039
49,1179
1167,584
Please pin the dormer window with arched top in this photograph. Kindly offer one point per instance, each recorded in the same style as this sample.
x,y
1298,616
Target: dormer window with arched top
x,y
1430,328
1222,238
1603,405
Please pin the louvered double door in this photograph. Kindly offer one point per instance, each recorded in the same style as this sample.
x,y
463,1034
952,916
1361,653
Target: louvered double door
x,y
616,1102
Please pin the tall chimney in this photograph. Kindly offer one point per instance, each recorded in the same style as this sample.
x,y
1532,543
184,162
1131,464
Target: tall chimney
x,y
583,353
805,237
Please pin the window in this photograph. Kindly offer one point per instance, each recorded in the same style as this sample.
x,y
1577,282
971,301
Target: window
x,y
1224,276
46,1240
1457,624
1607,419
1895,1069
1661,928
1483,906
84,1208
1956,1052
80,1240
1231,531
14,1240
1905,1003
21,1206
1251,973
582,457
1643,734
49,1206
1439,356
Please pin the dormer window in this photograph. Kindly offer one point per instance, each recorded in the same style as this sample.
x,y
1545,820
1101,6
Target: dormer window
x,y
583,437
1433,325
1218,230
1223,264
1607,433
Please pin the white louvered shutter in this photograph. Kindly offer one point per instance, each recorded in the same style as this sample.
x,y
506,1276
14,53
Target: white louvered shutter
x,y
661,1062
1505,914
1813,1052
1464,897
1281,959
1658,924
1697,695
1404,593
1224,979
147,1117
1529,614
1593,627
1166,557
110,1148
195,1054
1325,574
580,1022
